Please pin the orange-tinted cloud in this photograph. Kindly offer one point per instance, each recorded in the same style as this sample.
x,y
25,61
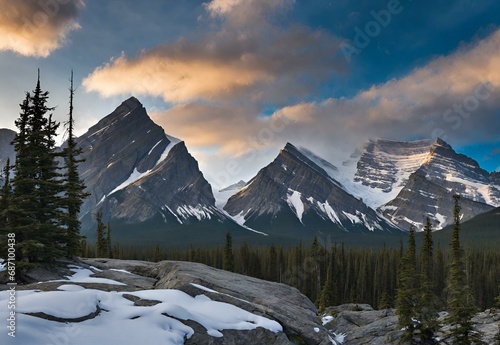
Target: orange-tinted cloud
x,y
455,97
258,62
37,28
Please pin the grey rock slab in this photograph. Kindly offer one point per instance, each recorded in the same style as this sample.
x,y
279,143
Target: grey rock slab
x,y
280,302
142,268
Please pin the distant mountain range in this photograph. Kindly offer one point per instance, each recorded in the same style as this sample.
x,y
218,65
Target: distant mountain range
x,y
151,189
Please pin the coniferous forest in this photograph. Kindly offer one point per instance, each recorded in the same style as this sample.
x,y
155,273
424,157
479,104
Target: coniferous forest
x,y
332,274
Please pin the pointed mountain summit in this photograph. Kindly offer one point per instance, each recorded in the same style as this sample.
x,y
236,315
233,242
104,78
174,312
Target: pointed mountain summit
x,y
296,195
146,183
429,190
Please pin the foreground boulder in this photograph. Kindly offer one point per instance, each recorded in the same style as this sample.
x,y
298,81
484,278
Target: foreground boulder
x,y
361,324
279,302
285,304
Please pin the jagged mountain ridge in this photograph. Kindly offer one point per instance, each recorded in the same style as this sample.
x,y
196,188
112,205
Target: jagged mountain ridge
x,y
295,192
145,182
412,180
139,175
385,164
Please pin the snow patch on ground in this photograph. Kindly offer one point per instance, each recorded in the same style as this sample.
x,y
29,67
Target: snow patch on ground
x,y
82,275
337,339
353,218
327,319
2,265
120,322
123,271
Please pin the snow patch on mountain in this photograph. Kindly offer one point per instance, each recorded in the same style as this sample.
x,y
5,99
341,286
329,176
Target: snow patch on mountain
x,y
200,212
477,191
295,203
328,210
137,175
240,220
222,195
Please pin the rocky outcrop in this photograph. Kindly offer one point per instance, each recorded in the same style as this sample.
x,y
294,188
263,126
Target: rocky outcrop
x,y
361,324
280,302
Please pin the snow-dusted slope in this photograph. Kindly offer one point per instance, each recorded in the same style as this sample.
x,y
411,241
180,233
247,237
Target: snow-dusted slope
x,y
223,195
136,173
299,184
460,174
383,169
430,189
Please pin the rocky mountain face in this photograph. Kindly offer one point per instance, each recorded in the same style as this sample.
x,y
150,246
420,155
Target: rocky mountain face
x,y
149,187
297,193
386,165
6,149
141,178
430,189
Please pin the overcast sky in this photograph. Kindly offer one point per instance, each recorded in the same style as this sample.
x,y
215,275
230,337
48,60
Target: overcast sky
x,y
237,79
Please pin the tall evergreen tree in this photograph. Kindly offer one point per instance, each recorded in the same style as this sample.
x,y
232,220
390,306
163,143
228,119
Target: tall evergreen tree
x,y
101,245
328,296
228,262
273,263
426,312
35,212
74,187
109,247
408,291
498,297
461,305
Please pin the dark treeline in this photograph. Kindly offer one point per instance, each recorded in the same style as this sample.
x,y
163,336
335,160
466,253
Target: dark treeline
x,y
359,275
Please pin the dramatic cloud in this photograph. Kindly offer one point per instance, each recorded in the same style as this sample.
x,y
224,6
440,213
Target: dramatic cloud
x,y
36,28
220,84
261,62
455,97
